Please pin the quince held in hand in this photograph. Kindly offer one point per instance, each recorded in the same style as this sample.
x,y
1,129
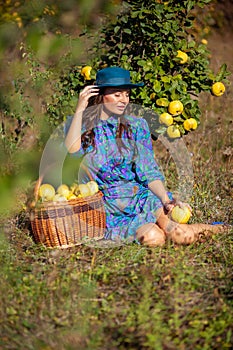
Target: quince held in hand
x,y
181,215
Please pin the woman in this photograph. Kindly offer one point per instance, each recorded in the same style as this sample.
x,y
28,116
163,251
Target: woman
x,y
117,149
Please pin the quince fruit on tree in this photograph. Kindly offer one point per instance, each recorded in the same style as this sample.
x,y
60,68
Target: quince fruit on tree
x,y
204,41
218,89
86,72
183,56
190,124
166,118
173,132
175,107
180,215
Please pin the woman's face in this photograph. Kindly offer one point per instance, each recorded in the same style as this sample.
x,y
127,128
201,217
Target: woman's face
x,y
115,100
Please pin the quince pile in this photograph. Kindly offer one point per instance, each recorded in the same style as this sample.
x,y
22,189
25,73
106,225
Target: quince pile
x,y
47,192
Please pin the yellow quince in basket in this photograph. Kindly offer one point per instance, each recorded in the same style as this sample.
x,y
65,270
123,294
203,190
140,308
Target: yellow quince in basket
x,y
46,192
88,189
63,190
74,188
59,198
93,187
84,190
71,196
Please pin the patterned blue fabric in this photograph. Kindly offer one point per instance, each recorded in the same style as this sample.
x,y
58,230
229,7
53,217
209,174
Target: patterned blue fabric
x,y
123,177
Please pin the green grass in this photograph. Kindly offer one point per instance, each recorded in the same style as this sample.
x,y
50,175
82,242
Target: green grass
x,y
127,297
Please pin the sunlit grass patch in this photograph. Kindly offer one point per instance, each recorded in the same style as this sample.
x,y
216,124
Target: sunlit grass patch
x,y
120,297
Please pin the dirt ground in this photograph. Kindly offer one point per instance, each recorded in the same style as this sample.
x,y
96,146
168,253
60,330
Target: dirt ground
x,y
220,43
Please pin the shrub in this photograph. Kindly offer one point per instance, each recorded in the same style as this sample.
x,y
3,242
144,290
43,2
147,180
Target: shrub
x,y
157,42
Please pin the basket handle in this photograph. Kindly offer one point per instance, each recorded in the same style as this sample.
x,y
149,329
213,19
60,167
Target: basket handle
x,y
40,179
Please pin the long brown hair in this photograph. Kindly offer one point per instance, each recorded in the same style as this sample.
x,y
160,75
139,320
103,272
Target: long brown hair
x,y
90,118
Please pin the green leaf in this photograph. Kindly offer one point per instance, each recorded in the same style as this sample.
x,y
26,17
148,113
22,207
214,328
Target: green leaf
x,y
221,73
124,19
163,102
190,5
178,119
148,76
157,86
161,130
121,46
127,30
116,29
174,95
166,79
141,63
182,130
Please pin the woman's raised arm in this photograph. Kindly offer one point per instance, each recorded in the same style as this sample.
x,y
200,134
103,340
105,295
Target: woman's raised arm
x,y
73,137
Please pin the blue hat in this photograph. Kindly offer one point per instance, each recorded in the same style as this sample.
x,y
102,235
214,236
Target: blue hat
x,y
115,76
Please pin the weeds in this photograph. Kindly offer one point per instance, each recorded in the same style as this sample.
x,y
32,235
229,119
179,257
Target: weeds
x,y
117,298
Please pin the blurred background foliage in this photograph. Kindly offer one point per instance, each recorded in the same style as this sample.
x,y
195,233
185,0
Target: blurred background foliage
x,y
38,41
44,45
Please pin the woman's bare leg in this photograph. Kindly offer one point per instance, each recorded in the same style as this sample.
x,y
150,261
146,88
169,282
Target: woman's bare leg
x,y
151,235
185,233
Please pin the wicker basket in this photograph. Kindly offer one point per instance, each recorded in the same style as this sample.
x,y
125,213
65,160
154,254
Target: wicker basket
x,y
68,223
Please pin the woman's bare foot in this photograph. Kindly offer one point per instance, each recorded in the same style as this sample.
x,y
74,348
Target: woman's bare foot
x,y
186,233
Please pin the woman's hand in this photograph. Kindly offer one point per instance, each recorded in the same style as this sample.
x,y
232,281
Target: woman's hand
x,y
73,137
168,206
85,94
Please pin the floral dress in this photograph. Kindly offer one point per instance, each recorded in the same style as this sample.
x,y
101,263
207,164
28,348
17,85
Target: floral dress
x,y
123,177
